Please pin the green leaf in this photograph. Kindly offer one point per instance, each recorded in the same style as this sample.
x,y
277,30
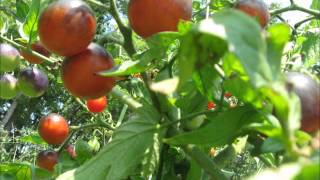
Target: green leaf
x,y
151,158
194,171
33,139
23,170
28,30
272,145
205,80
220,130
22,10
278,36
311,171
3,26
158,45
121,156
227,30
83,150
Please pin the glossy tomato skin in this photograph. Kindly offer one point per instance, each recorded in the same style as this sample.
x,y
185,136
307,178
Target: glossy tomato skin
x,y
66,27
8,86
255,8
53,128
308,91
47,160
148,17
32,82
97,105
79,73
39,48
9,58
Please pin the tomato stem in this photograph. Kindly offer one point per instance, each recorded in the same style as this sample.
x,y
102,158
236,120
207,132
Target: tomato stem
x,y
34,53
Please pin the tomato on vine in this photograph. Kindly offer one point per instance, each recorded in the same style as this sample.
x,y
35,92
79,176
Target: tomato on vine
x,y
53,128
97,105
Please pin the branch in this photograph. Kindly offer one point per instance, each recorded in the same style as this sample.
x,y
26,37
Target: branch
x,y
10,111
294,7
17,45
298,24
125,98
125,30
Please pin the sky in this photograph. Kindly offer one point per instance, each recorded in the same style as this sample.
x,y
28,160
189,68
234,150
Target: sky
x,y
292,16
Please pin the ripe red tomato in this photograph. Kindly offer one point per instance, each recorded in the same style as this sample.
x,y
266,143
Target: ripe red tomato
x,y
255,8
97,105
66,27
79,73
37,47
47,160
53,128
211,105
148,17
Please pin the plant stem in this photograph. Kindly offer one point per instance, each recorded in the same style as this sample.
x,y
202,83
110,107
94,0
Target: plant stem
x,y
121,117
65,142
161,160
124,97
298,24
11,110
98,3
44,58
294,7
204,161
125,30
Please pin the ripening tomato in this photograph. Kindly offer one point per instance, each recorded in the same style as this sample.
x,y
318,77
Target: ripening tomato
x,y
53,128
255,8
47,160
148,17
97,105
211,105
79,73
67,27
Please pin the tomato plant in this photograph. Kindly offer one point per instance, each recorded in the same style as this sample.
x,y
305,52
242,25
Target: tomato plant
x,y
223,89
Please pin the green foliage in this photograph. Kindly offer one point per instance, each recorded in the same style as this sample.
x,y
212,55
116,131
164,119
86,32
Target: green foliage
x,y
166,81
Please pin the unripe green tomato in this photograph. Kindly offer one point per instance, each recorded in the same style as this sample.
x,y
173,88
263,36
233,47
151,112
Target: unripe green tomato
x,y
195,123
32,82
8,86
9,58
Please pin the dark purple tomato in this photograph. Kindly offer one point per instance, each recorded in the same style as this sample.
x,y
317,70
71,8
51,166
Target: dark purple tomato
x,y
32,82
